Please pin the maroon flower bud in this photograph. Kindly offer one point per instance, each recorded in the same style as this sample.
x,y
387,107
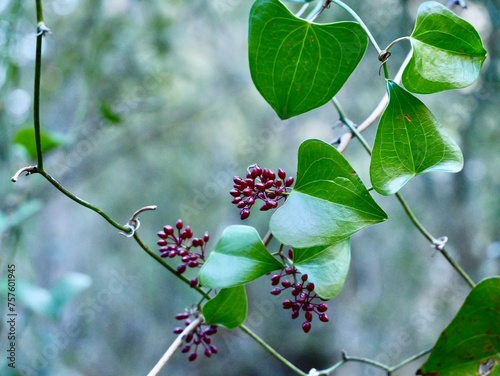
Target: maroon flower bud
x,y
281,173
306,326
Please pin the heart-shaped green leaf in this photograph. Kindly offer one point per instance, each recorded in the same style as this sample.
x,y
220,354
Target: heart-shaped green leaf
x,y
328,203
297,65
326,267
470,344
238,258
228,308
447,51
409,142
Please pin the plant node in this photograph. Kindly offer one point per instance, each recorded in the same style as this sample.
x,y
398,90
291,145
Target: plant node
x,y
29,170
42,30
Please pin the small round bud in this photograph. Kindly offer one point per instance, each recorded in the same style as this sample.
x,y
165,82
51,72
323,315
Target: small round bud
x,y
192,357
281,173
322,307
244,213
181,268
272,204
275,279
260,187
239,181
268,184
306,326
162,235
179,224
275,291
323,317
271,195
169,230
309,316
182,316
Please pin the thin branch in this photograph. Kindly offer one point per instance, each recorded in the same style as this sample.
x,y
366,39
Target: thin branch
x,y
410,359
41,31
167,266
174,346
360,21
267,238
458,268
272,351
78,200
346,358
415,220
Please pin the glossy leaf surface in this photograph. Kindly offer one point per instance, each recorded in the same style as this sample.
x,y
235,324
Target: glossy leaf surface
x,y
409,142
470,344
326,267
238,258
297,65
228,308
328,203
447,51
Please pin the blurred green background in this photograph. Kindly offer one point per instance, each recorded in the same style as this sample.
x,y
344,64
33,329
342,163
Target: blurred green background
x,y
152,103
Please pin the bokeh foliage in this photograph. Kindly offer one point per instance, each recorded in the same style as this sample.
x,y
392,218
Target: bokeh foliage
x,y
156,106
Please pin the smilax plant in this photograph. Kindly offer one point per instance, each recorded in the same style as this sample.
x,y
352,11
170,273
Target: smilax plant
x,y
299,65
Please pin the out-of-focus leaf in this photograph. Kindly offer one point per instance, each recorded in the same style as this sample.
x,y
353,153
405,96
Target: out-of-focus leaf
x,y
239,257
70,285
228,308
49,302
409,142
447,51
329,202
109,114
22,213
26,138
470,344
34,297
297,65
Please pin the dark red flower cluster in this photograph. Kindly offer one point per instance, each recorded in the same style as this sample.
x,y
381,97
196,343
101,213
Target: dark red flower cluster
x,y
190,250
260,184
200,336
303,296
